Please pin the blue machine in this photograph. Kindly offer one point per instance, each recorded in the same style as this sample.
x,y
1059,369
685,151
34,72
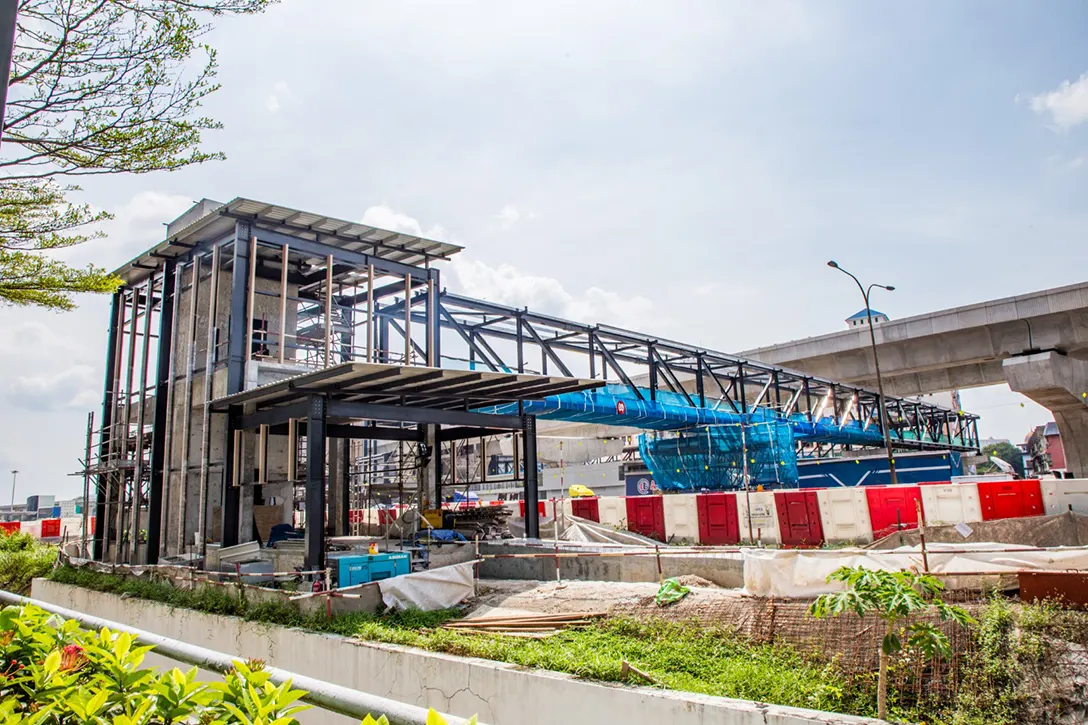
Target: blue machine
x,y
354,570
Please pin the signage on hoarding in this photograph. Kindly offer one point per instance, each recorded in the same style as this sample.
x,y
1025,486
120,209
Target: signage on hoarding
x,y
640,484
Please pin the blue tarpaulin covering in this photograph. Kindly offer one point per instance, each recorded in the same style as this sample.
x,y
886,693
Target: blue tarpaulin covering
x,y
695,447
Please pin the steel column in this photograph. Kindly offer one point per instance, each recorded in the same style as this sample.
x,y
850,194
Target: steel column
x,y
237,355
532,515
107,421
315,483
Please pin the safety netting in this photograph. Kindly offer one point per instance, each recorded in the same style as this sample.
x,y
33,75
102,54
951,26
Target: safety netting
x,y
722,457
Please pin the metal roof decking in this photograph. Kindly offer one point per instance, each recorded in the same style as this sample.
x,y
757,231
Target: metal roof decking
x,y
410,386
353,236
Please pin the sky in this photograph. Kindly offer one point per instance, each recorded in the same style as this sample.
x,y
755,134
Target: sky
x,y
682,167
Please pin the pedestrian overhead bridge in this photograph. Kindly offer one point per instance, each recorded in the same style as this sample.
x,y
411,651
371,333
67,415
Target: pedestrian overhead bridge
x,y
253,324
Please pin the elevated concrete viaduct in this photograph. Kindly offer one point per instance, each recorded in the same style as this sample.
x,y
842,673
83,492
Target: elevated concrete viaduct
x,y
1036,342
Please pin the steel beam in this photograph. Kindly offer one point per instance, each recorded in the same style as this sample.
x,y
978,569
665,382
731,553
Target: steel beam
x,y
429,416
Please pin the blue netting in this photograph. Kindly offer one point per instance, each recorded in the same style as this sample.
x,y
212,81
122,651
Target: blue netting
x,y
712,458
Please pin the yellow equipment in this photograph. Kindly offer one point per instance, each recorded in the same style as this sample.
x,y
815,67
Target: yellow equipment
x,y
579,491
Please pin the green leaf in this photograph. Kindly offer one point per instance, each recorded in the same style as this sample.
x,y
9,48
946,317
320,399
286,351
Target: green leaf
x,y
891,644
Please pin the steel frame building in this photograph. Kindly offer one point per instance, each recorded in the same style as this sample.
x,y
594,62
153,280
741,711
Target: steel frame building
x,y
253,326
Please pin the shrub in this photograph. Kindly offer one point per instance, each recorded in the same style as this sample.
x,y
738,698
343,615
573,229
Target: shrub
x,y
22,558
52,672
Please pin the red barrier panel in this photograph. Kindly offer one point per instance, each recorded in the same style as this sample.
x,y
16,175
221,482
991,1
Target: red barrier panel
x,y
586,508
92,526
799,518
50,528
893,507
9,527
539,508
718,520
646,516
1010,499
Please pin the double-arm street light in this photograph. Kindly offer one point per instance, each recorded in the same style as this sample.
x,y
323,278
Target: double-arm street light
x,y
865,291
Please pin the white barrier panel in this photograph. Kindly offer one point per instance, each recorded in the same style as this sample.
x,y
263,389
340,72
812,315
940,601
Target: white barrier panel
x,y
1060,494
951,503
613,511
681,517
34,528
764,518
844,513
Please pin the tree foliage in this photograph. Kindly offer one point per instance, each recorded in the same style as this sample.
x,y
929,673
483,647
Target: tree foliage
x,y
892,596
97,87
1007,452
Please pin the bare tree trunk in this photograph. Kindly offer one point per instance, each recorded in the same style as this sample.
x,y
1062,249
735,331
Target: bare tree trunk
x,y
882,682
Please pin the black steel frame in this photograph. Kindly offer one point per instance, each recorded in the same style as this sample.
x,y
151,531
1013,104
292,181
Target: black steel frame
x,y
470,332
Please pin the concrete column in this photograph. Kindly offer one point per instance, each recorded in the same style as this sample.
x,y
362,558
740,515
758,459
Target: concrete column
x,y
1059,383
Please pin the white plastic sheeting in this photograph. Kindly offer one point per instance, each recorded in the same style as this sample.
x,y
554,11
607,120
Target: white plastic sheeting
x,y
844,514
681,517
1061,494
803,573
429,590
951,504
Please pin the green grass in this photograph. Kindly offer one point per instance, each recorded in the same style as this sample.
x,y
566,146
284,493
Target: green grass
x,y
682,656
995,684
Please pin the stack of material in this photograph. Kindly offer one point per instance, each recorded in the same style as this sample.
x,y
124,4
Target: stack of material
x,y
524,623
586,531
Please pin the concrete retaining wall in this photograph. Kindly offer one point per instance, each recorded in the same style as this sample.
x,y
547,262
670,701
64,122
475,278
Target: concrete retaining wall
x,y
725,570
501,694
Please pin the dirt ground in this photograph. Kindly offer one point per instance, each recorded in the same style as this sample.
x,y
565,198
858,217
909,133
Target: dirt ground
x,y
497,597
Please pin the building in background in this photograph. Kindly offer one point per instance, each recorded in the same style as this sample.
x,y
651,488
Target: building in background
x,y
1045,451
861,318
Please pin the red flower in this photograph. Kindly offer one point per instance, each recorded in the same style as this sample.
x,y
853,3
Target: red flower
x,y
72,657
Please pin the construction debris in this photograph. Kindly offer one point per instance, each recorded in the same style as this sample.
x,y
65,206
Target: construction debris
x,y
524,623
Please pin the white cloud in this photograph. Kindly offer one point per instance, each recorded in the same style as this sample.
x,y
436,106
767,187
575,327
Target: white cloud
x,y
73,387
706,290
281,94
1067,104
510,215
385,217
508,285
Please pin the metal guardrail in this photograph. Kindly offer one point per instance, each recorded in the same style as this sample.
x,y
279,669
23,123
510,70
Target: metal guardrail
x,y
319,693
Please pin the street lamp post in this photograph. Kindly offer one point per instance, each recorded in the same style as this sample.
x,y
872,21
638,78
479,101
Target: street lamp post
x,y
876,364
14,473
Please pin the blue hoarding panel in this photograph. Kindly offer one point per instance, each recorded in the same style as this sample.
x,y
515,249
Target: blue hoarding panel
x,y
873,471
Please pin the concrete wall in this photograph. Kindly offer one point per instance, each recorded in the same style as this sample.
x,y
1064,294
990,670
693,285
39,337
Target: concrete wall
x,y
501,694
725,570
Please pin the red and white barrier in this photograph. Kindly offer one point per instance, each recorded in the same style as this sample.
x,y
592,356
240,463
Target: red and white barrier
x,y
845,514
951,503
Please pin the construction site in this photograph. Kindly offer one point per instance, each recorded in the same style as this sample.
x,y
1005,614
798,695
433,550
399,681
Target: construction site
x,y
295,407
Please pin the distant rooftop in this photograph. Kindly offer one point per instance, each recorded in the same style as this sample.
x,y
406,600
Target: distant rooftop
x,y
1051,429
209,220
864,314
